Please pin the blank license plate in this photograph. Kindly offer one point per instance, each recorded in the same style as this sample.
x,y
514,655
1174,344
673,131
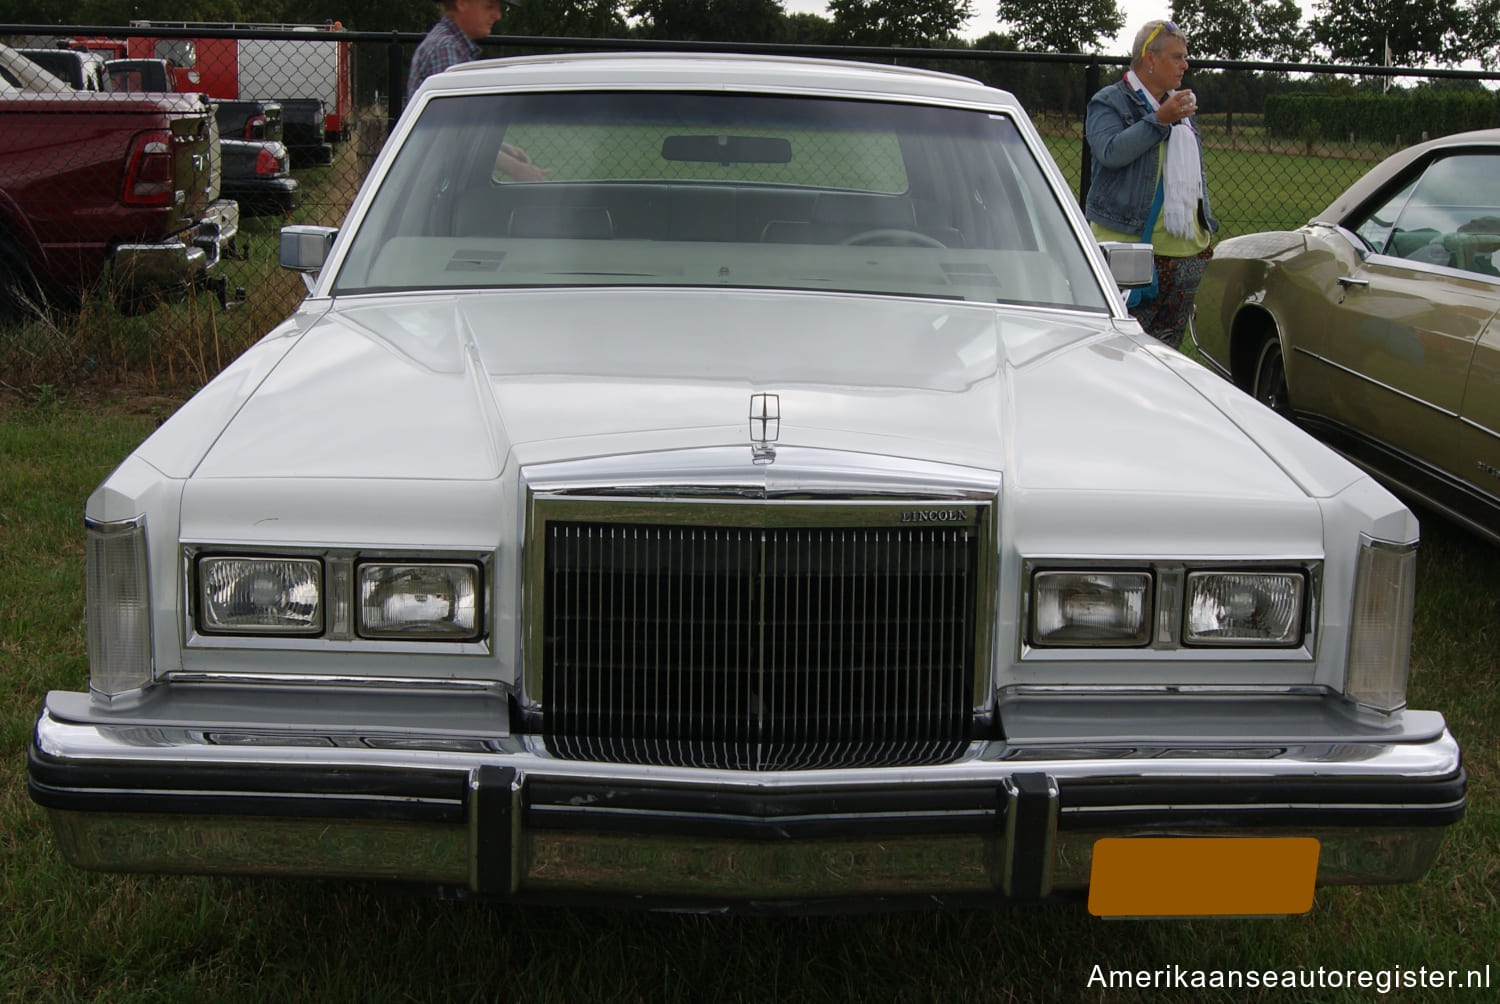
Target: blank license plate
x,y
1202,876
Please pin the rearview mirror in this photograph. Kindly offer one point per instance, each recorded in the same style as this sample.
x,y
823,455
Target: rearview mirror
x,y
304,249
1132,265
727,149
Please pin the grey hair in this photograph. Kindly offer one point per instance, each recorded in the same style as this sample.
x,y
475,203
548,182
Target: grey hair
x,y
1138,48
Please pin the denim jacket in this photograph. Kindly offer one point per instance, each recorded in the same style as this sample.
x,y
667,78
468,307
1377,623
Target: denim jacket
x,y
1123,135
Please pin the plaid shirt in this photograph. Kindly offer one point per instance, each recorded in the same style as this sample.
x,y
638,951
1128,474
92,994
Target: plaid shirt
x,y
445,45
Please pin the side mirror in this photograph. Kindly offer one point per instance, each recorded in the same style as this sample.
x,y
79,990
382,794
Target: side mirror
x,y
305,248
1132,265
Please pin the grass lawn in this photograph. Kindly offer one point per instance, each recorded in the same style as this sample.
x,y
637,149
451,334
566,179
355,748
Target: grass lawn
x,y
71,935
1252,189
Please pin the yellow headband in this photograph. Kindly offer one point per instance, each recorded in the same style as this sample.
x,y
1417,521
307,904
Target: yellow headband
x,y
1171,30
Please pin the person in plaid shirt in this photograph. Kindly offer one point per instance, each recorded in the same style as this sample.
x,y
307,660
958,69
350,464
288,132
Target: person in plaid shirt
x,y
452,41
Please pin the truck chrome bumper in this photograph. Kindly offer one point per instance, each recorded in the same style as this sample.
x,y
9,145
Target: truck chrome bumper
x,y
180,263
503,819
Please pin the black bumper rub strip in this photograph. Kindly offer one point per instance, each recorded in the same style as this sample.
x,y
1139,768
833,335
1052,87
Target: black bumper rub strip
x,y
760,815
355,793
1340,802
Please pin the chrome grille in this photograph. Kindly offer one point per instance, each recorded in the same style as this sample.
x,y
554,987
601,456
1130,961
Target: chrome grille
x,y
758,648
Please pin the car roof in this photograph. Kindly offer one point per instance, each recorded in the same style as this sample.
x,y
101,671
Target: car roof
x,y
695,71
1393,166
77,55
28,75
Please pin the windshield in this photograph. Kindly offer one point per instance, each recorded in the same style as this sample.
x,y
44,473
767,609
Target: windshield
x,y
719,190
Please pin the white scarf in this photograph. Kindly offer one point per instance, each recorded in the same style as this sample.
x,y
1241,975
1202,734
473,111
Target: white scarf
x,y
1182,175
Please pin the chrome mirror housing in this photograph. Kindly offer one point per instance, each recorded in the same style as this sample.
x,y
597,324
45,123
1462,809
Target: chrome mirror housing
x,y
1130,264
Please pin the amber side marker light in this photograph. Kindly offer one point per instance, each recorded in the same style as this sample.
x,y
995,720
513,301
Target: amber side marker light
x,y
1203,876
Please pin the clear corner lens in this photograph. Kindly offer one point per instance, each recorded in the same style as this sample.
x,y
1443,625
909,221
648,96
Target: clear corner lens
x,y
243,595
1244,608
1091,608
1381,625
438,602
118,611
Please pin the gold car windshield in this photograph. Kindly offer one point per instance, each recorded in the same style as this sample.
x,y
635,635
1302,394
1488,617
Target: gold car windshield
x,y
749,191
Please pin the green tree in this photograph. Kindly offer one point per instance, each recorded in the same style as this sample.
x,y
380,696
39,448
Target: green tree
x,y
898,22
1025,80
808,29
1061,26
567,19
1417,33
377,15
1241,29
710,20
37,12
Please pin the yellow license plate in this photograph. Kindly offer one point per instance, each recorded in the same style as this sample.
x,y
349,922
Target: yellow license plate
x,y
1202,876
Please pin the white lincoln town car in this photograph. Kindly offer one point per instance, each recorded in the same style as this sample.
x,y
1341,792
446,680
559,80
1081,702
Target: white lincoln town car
x,y
731,482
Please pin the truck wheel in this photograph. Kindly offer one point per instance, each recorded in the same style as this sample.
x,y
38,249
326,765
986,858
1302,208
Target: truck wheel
x,y
20,295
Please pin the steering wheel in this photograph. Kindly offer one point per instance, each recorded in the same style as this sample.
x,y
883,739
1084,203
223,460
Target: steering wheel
x,y
893,237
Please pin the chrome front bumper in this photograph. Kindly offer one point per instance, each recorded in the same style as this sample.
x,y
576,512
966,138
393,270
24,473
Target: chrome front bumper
x,y
502,818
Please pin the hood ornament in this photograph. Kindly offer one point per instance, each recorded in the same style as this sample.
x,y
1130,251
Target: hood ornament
x,y
765,426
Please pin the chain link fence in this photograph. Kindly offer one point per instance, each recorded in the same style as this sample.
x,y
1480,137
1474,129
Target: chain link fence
x,y
302,110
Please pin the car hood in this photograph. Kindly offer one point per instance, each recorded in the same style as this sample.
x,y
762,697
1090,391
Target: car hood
x,y
457,387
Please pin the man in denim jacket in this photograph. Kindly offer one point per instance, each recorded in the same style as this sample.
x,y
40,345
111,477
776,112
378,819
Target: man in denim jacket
x,y
1148,183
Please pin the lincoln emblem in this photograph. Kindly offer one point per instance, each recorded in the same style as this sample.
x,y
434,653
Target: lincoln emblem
x,y
765,426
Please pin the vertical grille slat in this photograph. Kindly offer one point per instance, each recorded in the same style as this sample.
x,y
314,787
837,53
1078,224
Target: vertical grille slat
x,y
757,648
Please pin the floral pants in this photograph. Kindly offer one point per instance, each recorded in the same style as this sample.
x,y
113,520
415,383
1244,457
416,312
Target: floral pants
x,y
1165,316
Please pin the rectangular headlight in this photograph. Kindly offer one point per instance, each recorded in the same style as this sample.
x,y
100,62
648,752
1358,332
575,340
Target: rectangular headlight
x,y
1385,586
260,595
1091,608
1245,608
440,601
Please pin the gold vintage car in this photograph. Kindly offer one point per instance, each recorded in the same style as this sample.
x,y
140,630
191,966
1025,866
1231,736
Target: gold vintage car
x,y
1374,326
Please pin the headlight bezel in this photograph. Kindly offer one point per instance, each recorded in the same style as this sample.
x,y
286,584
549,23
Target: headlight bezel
x,y
340,600
1169,614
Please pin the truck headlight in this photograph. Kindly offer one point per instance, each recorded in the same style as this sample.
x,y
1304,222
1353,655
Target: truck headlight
x,y
1380,625
117,607
260,595
1244,608
1076,608
440,601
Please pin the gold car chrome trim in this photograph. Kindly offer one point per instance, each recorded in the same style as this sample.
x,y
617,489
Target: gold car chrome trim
x,y
1375,383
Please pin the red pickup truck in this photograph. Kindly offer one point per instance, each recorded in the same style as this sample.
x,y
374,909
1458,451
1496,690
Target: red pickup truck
x,y
95,185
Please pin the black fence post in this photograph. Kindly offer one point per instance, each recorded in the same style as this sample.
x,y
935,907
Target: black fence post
x,y
396,70
1090,86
